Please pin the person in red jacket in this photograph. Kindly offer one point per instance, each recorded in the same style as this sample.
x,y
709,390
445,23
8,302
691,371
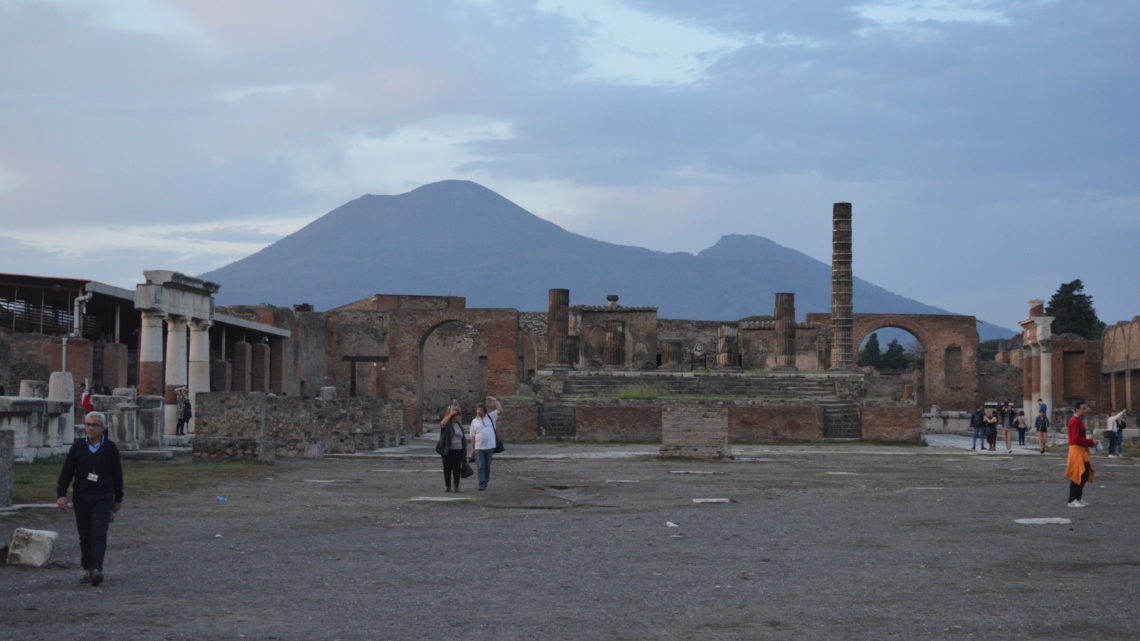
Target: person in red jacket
x,y
1078,469
85,399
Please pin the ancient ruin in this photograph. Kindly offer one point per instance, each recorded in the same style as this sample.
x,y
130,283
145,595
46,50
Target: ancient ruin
x,y
269,381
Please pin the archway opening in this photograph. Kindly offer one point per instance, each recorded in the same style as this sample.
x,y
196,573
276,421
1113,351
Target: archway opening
x,y
453,366
894,360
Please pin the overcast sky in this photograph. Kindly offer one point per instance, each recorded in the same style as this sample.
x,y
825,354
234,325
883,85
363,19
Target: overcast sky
x,y
989,147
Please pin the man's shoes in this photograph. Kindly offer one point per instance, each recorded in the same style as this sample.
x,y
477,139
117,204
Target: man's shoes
x,y
96,578
1076,503
86,578
482,487
447,490
1010,451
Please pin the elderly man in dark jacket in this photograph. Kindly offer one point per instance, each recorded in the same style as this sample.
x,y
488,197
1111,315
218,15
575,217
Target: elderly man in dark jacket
x,y
93,464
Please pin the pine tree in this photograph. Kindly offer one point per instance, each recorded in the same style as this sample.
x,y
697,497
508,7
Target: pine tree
x,y
894,357
1072,311
869,355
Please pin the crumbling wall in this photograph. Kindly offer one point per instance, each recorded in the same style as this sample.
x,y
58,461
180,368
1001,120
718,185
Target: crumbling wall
x,y
1000,382
770,422
253,426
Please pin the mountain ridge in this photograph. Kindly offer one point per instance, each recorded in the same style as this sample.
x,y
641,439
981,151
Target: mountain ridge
x,y
460,238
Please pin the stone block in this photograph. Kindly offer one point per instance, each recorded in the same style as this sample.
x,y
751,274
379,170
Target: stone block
x,y
328,393
128,392
61,387
33,389
31,547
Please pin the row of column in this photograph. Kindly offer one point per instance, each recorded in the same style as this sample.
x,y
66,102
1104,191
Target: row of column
x,y
163,374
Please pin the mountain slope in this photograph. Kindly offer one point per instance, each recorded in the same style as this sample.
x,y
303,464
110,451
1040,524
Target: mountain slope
x,y
459,238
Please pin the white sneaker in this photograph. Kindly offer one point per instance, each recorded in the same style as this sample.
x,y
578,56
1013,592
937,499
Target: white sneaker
x,y
1083,504
1075,503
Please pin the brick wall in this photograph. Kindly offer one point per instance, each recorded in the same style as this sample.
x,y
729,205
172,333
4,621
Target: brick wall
x,y
618,423
768,423
699,431
892,423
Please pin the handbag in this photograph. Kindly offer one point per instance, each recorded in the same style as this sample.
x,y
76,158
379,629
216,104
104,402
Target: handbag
x,y
466,470
499,447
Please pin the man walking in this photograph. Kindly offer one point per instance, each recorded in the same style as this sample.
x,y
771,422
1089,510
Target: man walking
x,y
978,422
1079,468
94,465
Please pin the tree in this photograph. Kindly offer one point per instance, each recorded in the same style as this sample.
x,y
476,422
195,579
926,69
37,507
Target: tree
x,y
894,357
869,356
1073,312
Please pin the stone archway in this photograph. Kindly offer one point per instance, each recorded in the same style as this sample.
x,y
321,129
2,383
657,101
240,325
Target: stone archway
x,y
453,365
951,353
902,381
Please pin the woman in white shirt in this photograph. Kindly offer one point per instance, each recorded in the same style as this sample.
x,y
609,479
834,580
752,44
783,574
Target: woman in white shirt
x,y
483,437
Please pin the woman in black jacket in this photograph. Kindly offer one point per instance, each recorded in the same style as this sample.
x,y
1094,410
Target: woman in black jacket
x,y
452,446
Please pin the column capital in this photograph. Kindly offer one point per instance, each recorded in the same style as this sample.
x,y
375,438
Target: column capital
x,y
200,324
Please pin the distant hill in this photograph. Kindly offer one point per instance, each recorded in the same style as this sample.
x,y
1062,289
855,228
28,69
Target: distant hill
x,y
460,238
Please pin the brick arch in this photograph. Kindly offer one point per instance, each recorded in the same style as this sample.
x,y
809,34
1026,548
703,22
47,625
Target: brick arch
x,y
937,333
408,331
455,368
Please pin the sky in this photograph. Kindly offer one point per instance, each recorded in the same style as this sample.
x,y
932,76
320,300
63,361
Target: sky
x,y
989,147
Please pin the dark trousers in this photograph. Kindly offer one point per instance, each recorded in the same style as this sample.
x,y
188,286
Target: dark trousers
x,y
1077,491
92,518
1021,436
452,466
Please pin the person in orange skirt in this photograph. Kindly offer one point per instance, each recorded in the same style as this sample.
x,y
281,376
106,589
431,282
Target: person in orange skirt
x,y
1079,468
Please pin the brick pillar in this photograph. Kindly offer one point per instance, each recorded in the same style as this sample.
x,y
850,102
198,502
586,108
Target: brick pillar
x,y
842,351
277,367
175,370
150,354
785,326
615,343
259,368
115,365
558,328
199,365
243,366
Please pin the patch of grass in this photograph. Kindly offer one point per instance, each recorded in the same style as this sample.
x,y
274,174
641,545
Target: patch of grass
x,y
638,393
35,482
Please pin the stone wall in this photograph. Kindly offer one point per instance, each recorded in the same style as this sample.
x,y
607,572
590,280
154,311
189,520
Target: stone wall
x,y
519,421
998,382
886,423
252,426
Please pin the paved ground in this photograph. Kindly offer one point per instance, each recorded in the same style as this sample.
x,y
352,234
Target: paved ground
x,y
575,542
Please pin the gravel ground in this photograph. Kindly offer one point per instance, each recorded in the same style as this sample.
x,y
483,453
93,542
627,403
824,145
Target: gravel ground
x,y
575,542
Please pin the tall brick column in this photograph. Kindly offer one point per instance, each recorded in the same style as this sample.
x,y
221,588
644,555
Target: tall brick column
x,y
558,328
842,351
243,365
150,354
259,370
785,326
199,364
175,369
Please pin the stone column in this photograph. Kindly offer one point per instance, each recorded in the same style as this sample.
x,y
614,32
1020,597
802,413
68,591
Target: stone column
x,y
243,361
842,351
615,343
150,354
727,338
175,370
1047,376
785,326
259,369
558,328
199,365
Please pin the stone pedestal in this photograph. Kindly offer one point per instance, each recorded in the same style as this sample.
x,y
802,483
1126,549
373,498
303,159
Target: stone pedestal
x,y
31,547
